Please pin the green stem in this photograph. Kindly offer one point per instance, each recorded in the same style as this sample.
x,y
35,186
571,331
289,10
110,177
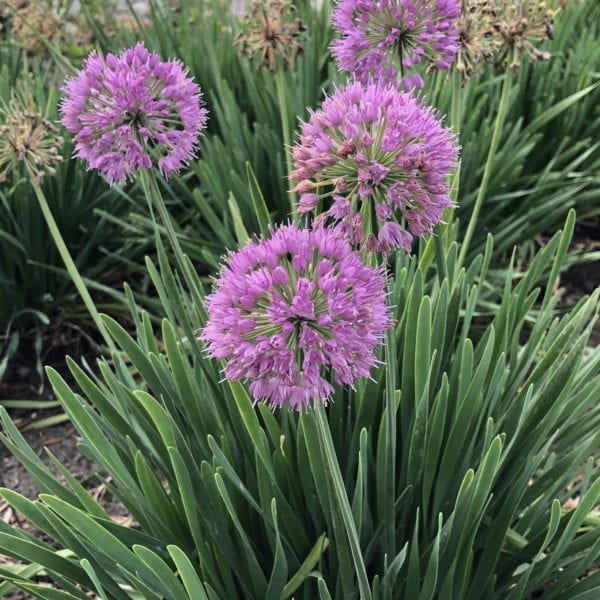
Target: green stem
x,y
154,198
72,268
287,143
435,241
340,505
440,253
498,125
389,513
455,124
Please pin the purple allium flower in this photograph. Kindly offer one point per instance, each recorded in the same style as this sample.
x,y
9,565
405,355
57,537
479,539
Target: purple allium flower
x,y
289,309
133,111
386,38
381,158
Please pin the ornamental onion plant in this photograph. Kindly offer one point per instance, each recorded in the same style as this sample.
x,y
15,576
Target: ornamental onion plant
x,y
133,114
304,460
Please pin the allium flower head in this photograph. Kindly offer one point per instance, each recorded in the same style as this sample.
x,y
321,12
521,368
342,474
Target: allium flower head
x,y
291,309
28,139
379,157
270,31
386,38
133,111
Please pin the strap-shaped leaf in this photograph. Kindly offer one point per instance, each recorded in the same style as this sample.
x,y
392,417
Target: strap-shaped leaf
x,y
260,206
279,572
188,574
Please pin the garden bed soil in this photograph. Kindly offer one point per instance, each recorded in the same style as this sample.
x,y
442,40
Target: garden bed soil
x,y
61,440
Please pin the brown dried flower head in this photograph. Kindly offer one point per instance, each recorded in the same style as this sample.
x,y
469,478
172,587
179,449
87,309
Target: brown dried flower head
x,y
497,31
28,139
476,34
520,26
270,30
32,20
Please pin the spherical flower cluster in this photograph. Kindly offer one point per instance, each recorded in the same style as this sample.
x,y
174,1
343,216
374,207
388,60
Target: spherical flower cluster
x,y
380,159
290,309
133,111
386,38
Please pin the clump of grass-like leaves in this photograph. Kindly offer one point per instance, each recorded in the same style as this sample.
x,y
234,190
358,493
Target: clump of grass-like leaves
x,y
496,428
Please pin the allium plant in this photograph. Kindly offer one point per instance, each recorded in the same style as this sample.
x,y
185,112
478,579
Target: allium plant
x,y
132,115
290,309
133,111
380,158
31,141
387,38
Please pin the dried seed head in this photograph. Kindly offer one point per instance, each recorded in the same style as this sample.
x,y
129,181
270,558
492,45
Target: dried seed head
x,y
31,21
520,26
477,43
27,138
270,30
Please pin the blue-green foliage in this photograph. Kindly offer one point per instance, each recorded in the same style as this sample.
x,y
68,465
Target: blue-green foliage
x,y
492,424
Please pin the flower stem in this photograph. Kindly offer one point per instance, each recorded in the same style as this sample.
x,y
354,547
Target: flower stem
x,y
71,267
389,513
440,253
154,198
285,128
435,241
340,504
498,125
455,124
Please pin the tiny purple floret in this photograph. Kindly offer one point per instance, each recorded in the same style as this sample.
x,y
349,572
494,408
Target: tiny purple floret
x,y
291,310
133,111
